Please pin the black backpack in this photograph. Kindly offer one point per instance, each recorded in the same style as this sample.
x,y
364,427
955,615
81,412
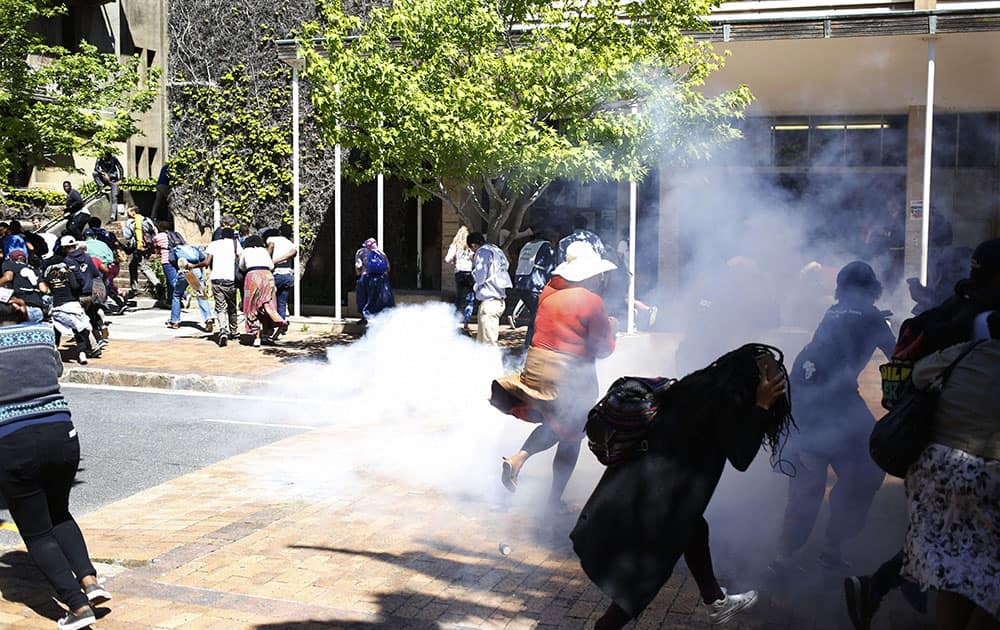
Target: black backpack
x,y
618,424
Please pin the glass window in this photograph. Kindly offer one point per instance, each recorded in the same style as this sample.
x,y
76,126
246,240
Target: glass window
x,y
791,142
977,140
863,142
945,139
894,141
826,141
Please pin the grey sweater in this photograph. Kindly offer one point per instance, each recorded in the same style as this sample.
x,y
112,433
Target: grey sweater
x,y
29,374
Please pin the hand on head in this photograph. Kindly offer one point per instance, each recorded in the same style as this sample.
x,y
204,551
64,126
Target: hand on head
x,y
772,384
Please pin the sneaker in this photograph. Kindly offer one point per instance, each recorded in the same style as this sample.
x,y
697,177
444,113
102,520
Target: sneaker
x,y
256,342
174,325
724,609
512,321
82,358
209,325
96,594
861,606
833,561
74,621
222,340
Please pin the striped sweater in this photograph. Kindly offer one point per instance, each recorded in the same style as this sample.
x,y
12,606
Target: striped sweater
x,y
30,368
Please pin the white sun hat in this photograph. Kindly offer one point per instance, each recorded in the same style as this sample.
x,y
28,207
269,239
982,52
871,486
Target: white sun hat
x,y
582,262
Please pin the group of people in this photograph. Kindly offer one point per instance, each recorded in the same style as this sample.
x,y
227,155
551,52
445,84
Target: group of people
x,y
482,276
647,511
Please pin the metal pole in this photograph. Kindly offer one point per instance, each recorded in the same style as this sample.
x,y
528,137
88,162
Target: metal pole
x,y
420,242
296,226
633,211
338,265
380,209
928,152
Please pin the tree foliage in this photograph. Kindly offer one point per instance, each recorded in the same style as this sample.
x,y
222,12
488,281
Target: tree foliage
x,y
484,103
230,125
54,102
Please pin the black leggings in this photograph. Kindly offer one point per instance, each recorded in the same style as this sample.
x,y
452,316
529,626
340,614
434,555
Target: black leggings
x,y
37,467
542,439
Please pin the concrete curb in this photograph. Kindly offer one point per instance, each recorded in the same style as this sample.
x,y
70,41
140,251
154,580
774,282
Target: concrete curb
x,y
158,380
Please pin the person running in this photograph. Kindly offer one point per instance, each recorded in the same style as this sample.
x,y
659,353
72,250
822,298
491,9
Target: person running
x,y
139,233
373,291
39,457
283,253
183,257
834,420
260,307
648,511
27,284
460,255
559,383
68,317
15,241
534,270
581,233
111,252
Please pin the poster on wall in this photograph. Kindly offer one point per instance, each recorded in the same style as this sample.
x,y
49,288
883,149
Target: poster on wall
x,y
917,209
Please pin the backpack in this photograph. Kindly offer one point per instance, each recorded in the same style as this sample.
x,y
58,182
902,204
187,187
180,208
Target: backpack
x,y
618,424
377,262
190,253
174,239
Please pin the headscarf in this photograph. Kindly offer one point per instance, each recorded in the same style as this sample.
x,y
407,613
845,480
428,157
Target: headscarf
x,y
17,255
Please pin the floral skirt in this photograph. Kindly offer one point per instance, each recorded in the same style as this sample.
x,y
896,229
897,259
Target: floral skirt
x,y
953,535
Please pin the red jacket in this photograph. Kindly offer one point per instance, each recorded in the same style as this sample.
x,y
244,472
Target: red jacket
x,y
572,320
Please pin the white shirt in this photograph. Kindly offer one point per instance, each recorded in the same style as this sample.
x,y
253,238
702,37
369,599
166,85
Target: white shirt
x,y
462,259
256,257
282,247
224,253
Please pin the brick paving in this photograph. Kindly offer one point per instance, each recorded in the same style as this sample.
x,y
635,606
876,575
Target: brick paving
x,y
277,538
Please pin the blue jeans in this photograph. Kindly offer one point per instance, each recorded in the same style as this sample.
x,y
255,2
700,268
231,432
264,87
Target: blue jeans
x,y
35,314
170,273
181,285
465,296
283,283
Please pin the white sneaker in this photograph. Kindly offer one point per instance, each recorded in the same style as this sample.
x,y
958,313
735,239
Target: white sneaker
x,y
256,342
82,358
73,621
721,611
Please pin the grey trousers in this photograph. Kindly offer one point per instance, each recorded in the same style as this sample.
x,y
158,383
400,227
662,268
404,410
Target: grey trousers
x,y
225,307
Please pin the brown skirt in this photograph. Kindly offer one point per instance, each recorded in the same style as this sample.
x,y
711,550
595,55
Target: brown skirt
x,y
554,388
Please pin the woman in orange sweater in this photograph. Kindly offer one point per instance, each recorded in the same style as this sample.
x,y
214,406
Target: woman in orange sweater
x,y
559,383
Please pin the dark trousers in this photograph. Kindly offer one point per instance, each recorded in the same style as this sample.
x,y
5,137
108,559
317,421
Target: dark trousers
x,y
465,296
531,305
858,479
37,467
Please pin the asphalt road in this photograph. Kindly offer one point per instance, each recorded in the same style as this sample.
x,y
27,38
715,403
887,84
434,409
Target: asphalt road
x,y
134,439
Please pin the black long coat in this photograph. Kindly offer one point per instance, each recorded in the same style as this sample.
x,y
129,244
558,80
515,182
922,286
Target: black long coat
x,y
638,521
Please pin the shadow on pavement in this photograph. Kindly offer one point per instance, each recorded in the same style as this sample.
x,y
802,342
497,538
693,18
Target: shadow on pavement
x,y
449,611
311,348
22,582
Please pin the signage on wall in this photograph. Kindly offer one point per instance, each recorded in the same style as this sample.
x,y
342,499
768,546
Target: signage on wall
x,y
917,209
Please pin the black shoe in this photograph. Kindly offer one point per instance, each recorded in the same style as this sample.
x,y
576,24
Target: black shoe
x,y
222,340
861,606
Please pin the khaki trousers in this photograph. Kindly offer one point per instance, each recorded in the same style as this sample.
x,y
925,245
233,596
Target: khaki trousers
x,y
488,330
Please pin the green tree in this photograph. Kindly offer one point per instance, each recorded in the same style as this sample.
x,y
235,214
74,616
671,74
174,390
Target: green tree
x,y
484,103
54,102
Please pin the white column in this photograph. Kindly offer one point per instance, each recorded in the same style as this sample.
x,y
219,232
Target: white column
x,y
380,210
296,226
633,211
338,254
420,242
928,153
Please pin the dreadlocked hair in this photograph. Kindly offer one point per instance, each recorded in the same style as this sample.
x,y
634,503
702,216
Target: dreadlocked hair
x,y
727,388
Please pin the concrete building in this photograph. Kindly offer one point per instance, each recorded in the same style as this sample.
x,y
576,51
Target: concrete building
x,y
123,28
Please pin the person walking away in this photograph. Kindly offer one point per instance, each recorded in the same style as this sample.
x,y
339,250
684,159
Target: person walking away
x,y
460,255
373,289
648,510
260,307
68,318
227,220
182,257
283,253
39,457
834,421
960,318
489,273
534,270
164,242
108,171
559,383
952,540
27,284
161,203
581,233
222,256
139,233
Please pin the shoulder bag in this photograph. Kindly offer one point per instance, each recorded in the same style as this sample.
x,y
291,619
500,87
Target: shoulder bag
x,y
901,435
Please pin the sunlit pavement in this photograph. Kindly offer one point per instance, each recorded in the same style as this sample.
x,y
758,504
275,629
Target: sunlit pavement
x,y
362,524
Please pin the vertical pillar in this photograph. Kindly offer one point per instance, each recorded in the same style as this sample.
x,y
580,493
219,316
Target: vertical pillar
x,y
380,210
928,153
633,213
914,190
296,226
420,243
